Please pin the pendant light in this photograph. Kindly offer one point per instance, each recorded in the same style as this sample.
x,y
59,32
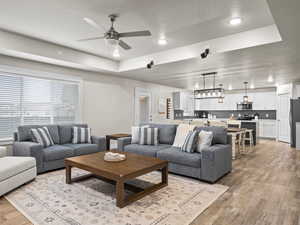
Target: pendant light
x,y
246,98
221,94
208,93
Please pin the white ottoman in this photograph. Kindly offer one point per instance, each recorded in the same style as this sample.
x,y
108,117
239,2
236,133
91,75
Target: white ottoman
x,y
15,171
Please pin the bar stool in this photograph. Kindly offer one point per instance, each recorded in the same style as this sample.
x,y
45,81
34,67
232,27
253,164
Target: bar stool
x,y
242,135
249,137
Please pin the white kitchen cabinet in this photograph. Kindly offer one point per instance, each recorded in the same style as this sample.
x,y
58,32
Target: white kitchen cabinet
x,y
267,128
261,101
184,101
264,101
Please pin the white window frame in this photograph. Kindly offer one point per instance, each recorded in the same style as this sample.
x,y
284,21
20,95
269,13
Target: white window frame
x,y
48,76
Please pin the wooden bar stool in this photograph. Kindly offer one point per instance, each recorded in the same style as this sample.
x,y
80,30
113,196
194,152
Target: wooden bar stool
x,y
242,135
249,137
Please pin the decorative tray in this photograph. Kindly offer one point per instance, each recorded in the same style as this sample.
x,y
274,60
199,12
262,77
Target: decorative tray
x,y
114,157
114,160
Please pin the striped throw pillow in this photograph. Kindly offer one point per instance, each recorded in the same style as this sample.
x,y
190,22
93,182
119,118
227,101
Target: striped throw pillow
x,y
148,136
81,135
190,142
42,136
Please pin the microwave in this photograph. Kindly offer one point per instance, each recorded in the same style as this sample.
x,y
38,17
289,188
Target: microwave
x,y
244,106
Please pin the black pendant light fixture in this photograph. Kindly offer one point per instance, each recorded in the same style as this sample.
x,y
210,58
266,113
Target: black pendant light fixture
x,y
246,98
221,94
206,93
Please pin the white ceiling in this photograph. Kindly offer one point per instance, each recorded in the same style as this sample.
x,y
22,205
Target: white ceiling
x,y
254,65
182,22
187,25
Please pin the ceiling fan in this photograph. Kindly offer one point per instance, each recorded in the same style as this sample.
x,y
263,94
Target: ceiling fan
x,y
113,37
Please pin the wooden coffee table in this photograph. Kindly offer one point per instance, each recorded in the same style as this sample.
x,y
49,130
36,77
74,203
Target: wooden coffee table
x,y
119,172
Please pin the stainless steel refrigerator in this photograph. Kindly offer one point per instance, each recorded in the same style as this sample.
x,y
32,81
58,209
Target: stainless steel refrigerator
x,y
294,117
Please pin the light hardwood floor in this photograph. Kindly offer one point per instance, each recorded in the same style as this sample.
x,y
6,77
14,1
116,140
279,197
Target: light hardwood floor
x,y
264,190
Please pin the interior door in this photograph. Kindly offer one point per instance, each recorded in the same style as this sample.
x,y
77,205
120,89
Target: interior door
x,y
143,103
283,118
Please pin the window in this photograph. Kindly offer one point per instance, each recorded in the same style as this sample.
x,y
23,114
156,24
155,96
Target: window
x,y
27,100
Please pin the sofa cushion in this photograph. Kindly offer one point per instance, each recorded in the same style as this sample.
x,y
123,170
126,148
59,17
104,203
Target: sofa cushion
x,y
166,133
56,152
65,132
11,166
83,149
42,136
190,142
148,136
219,134
147,150
182,132
175,155
24,132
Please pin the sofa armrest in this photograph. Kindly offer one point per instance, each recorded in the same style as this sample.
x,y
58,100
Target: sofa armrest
x,y
216,161
100,141
122,142
32,149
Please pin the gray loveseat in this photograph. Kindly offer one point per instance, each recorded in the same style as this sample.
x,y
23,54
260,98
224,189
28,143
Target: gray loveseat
x,y
209,165
52,157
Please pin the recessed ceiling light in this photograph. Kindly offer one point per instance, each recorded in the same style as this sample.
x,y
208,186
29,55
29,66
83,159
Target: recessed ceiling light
x,y
270,79
235,21
162,41
229,87
252,86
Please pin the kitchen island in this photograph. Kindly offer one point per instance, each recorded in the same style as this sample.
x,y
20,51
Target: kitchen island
x,y
249,124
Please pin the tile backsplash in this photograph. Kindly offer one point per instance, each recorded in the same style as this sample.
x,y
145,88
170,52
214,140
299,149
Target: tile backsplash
x,y
263,114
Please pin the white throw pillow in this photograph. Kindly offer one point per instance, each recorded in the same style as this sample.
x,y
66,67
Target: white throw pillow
x,y
135,134
181,133
204,140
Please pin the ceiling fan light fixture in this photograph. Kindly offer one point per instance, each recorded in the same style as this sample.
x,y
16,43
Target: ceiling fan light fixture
x,y
116,53
112,42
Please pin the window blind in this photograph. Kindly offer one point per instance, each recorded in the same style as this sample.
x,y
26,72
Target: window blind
x,y
28,101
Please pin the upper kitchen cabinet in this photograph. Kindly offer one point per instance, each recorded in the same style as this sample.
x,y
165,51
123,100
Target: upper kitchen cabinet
x,y
264,101
184,101
261,101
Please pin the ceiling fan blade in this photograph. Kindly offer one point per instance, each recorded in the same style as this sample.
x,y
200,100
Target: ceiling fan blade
x,y
90,39
94,24
124,45
136,33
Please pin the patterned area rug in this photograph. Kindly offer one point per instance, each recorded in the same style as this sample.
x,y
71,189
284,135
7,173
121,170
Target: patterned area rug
x,y
49,200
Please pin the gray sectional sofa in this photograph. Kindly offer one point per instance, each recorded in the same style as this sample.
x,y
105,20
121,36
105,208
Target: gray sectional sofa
x,y
52,157
209,165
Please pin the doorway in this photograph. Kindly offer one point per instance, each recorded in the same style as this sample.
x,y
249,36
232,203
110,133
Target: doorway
x,y
142,102
283,117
